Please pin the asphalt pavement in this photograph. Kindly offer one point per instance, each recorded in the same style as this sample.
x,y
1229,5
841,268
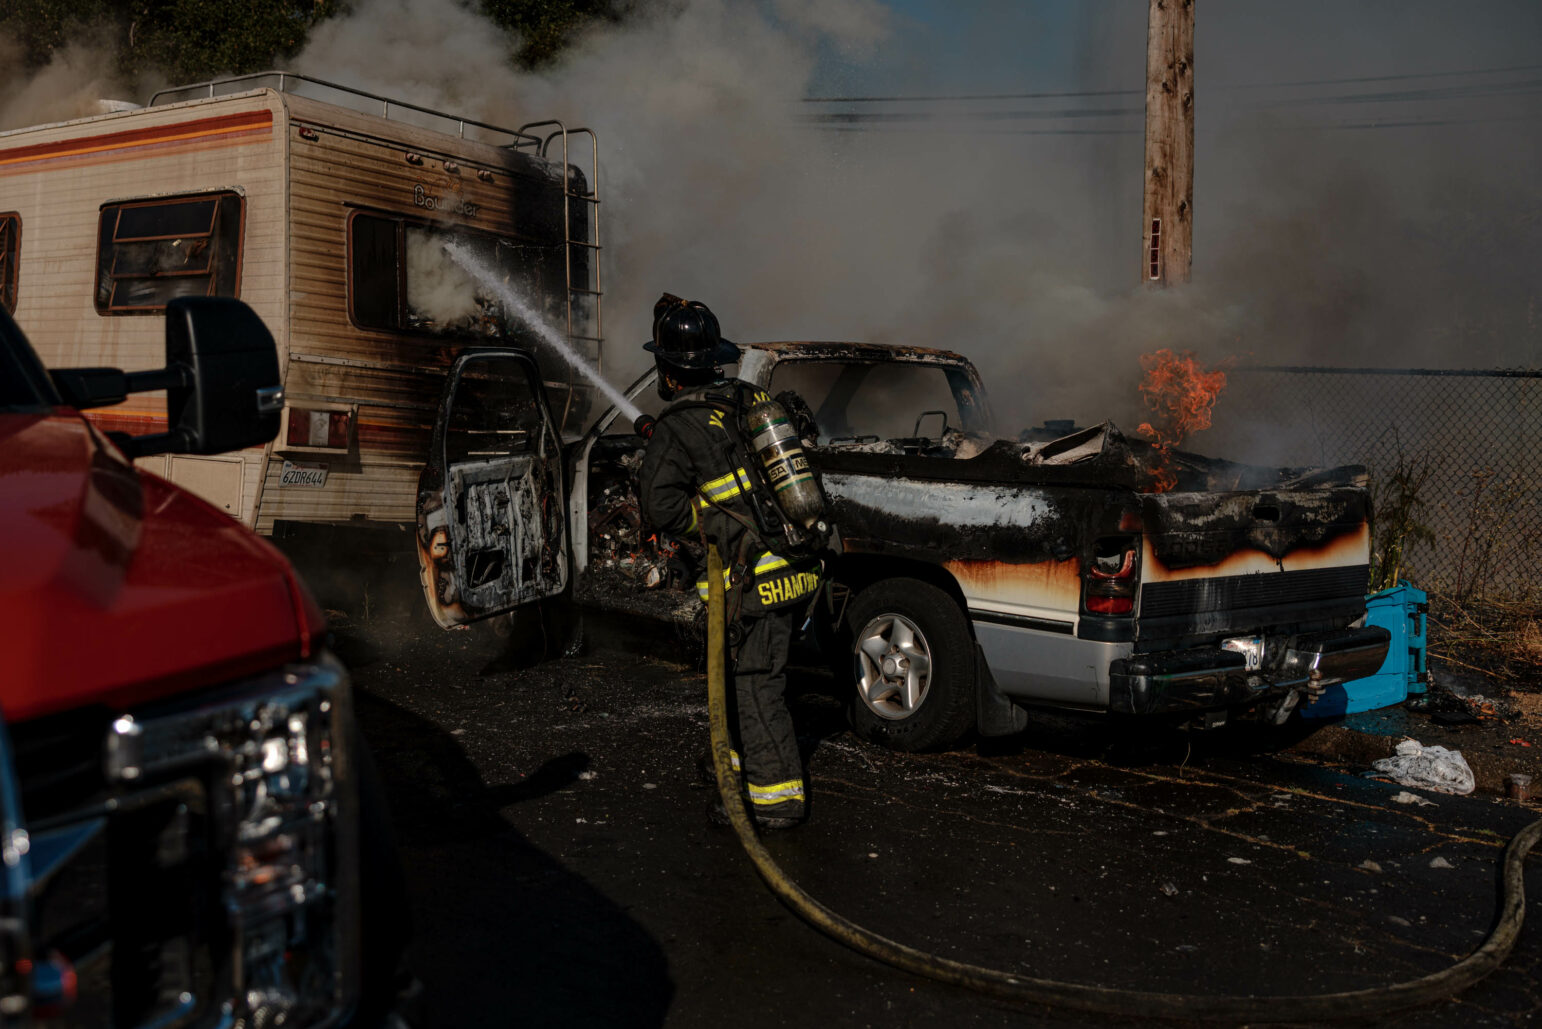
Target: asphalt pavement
x,y
562,872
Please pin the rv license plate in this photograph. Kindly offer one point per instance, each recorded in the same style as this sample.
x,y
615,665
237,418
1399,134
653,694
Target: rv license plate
x,y
1250,647
305,474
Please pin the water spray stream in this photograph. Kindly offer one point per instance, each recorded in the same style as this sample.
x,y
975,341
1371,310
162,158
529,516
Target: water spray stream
x,y
514,302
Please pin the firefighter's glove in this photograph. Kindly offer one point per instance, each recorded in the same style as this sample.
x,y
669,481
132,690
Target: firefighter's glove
x,y
644,425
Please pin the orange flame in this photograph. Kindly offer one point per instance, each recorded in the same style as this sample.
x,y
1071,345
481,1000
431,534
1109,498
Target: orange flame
x,y
1181,395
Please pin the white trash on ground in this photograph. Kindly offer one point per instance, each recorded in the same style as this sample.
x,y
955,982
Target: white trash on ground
x,y
1434,768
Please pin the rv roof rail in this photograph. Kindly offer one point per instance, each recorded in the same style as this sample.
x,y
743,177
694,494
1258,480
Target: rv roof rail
x,y
292,82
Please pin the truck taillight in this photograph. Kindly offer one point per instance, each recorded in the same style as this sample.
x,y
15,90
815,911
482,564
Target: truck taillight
x,y
1109,580
313,428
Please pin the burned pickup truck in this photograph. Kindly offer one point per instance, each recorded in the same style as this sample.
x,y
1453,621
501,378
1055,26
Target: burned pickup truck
x,y
974,576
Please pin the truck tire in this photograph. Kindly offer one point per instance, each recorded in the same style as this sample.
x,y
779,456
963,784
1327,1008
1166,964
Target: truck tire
x,y
912,663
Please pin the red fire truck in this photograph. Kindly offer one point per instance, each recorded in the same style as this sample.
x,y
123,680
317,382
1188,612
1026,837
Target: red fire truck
x,y
183,798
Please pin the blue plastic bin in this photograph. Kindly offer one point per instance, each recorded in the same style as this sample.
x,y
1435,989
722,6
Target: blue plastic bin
x,y
1401,611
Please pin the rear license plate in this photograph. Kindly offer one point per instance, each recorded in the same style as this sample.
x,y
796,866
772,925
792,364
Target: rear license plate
x,y
1250,647
304,474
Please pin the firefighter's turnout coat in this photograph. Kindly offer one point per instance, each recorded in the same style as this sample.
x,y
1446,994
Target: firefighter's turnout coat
x,y
694,471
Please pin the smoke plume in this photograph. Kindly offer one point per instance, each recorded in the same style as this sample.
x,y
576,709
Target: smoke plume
x,y
72,85
1354,203
1314,244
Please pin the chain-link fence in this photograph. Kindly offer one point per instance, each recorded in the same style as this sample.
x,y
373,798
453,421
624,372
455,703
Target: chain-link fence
x,y
1455,456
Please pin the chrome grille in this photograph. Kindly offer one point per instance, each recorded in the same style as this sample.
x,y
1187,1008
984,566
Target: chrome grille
x,y
197,876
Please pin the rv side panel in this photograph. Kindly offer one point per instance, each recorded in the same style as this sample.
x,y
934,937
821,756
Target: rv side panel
x,y
343,166
67,180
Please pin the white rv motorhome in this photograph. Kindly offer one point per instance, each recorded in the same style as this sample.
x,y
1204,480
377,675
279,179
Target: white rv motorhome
x,y
326,209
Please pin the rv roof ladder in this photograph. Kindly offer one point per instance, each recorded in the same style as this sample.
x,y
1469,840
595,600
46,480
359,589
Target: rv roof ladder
x,y
585,317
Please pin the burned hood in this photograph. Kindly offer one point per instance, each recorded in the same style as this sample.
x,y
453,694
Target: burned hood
x,y
120,587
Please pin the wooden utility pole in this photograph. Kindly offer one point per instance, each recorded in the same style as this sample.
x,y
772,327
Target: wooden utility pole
x,y
1169,204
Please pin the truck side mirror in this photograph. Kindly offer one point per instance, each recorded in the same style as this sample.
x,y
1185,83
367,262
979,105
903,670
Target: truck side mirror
x,y
223,391
230,395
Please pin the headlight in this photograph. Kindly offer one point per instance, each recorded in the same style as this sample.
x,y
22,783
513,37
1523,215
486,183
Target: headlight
x,y
283,812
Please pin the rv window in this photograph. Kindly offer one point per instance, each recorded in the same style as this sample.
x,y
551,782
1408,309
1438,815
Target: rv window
x,y
10,249
150,252
376,286
403,277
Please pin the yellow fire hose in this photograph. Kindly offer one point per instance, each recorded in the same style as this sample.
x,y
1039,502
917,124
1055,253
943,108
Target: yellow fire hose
x,y
1437,986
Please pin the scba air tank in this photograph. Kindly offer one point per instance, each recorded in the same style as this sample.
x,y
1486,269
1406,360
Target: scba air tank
x,y
792,481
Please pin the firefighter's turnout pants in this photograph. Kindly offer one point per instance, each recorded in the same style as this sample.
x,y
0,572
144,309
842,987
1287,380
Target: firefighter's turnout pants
x,y
692,474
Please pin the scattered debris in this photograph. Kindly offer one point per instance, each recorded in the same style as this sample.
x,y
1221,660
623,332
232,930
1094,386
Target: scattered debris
x,y
1239,861
1461,698
1434,768
587,775
1170,889
1404,797
1399,920
1370,866
1520,742
1441,862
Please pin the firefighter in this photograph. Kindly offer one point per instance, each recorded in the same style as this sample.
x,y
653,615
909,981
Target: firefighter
x,y
696,481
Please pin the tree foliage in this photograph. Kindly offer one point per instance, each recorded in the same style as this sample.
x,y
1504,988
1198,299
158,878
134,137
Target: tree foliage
x,y
191,40
187,39
544,28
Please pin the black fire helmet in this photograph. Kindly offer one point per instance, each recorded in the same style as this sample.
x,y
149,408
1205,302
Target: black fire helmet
x,y
686,335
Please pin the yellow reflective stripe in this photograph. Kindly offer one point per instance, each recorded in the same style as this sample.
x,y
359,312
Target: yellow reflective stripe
x,y
728,486
701,585
792,789
769,562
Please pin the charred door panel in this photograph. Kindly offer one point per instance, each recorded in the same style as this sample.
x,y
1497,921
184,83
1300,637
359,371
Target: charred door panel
x,y
498,535
491,510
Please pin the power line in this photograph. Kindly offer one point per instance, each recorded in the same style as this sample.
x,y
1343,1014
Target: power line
x,y
967,96
953,130
874,117
1387,78
1524,88
981,97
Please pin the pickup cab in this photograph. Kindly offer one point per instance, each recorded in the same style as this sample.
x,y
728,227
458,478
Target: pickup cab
x,y
975,576
180,799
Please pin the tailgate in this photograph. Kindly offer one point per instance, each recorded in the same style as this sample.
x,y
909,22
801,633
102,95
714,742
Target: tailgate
x,y
1214,563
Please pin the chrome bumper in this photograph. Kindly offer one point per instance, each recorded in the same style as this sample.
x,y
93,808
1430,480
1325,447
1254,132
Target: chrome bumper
x,y
1209,678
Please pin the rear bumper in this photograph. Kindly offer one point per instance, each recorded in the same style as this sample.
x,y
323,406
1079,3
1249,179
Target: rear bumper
x,y
1209,678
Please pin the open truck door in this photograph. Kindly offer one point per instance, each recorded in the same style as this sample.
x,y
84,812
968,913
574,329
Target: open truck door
x,y
492,514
